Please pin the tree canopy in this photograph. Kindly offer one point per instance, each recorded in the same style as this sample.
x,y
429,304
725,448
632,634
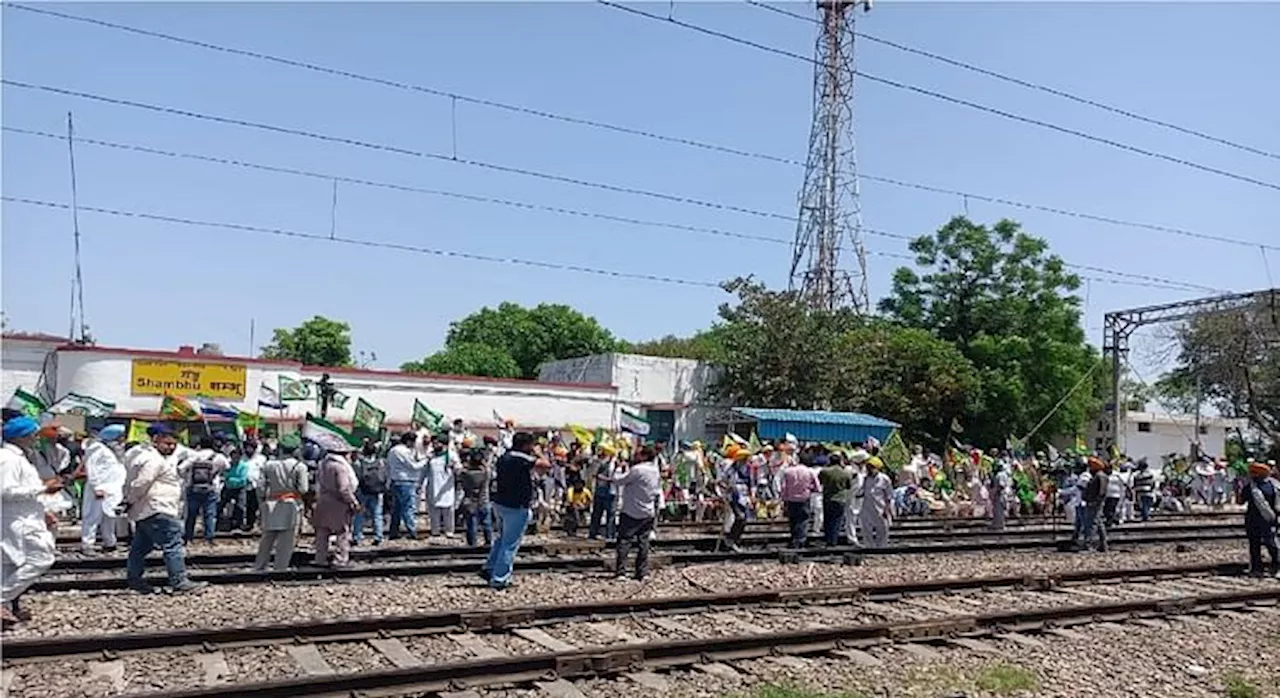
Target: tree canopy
x,y
707,345
316,342
467,359
1008,305
532,336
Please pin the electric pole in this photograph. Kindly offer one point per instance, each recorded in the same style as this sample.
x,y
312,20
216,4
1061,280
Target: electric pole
x,y
830,217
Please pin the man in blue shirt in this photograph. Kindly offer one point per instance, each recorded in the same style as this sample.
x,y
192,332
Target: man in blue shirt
x,y
512,497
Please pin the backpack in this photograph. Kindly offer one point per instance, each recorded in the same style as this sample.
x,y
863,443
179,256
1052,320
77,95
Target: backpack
x,y
373,476
201,476
238,476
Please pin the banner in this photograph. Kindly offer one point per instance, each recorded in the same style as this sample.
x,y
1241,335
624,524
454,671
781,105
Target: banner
x,y
367,417
155,377
83,405
633,423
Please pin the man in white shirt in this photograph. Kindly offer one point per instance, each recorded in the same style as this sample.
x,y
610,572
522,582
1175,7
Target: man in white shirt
x,y
26,545
441,486
638,489
153,497
103,489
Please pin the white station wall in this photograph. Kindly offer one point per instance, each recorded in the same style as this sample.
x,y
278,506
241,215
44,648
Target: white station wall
x,y
107,376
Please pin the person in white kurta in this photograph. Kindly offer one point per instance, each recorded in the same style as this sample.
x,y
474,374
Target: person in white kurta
x,y
441,484
26,545
853,508
877,505
103,488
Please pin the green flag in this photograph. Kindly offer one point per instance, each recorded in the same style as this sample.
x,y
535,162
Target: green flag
x,y
339,399
74,403
367,417
291,389
895,454
26,403
426,417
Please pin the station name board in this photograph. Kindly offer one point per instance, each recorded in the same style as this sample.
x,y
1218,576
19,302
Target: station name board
x,y
215,380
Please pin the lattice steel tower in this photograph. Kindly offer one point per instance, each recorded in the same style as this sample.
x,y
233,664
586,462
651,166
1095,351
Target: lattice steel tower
x,y
830,218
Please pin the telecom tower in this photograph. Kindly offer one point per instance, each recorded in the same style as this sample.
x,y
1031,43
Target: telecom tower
x,y
830,214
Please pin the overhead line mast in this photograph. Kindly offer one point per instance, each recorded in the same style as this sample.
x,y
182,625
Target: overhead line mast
x,y
830,212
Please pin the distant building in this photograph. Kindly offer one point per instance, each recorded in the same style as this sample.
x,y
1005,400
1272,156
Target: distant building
x,y
673,394
1152,435
135,380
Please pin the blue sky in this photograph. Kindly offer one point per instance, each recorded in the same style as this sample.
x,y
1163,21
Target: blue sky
x,y
157,285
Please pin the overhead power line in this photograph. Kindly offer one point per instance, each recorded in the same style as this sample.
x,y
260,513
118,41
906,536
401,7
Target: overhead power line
x,y
329,177
281,232
1034,86
694,143
453,254
953,100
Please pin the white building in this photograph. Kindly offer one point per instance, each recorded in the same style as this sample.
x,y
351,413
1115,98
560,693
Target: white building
x,y
673,394
135,380
1152,435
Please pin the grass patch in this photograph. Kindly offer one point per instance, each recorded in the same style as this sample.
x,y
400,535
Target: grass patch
x,y
1240,687
1003,679
780,691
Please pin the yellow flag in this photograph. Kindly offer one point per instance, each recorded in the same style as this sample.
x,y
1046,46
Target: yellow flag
x,y
581,433
137,431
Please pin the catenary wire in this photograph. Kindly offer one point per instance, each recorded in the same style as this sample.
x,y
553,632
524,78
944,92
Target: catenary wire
x,y
949,98
1168,283
1032,85
621,129
557,266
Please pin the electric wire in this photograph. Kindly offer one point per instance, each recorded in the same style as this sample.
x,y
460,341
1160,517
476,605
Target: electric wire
x,y
952,99
1164,282
1039,87
703,145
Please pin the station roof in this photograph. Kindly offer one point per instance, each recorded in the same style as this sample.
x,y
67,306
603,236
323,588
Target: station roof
x,y
817,425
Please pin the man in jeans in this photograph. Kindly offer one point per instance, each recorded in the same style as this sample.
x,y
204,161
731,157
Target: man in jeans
x,y
1144,487
602,498
512,498
638,488
371,484
153,507
474,482
406,471
203,470
799,484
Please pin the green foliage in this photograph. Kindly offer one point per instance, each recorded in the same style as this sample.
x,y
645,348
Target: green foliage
x,y
784,691
533,336
707,345
467,359
316,342
1009,307
1239,687
1004,679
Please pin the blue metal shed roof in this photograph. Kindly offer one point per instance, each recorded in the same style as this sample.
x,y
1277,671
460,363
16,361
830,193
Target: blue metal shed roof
x,y
817,425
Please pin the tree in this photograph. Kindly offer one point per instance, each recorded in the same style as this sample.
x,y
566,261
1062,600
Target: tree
x,y
1008,305
316,342
533,336
1232,359
905,375
467,359
707,345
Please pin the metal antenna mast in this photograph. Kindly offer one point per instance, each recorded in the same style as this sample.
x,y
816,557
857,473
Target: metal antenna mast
x,y
78,329
830,214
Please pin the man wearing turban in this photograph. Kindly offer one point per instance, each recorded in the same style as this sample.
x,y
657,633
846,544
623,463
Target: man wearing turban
x,y
104,488
1261,497
26,545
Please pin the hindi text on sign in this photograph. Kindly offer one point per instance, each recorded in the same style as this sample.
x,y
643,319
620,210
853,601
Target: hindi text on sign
x,y
188,378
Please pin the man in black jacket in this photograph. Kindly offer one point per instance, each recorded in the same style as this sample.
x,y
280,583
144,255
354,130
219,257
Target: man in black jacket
x,y
512,497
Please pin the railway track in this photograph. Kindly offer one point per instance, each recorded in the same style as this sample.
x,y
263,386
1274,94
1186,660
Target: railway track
x,y
454,650
105,574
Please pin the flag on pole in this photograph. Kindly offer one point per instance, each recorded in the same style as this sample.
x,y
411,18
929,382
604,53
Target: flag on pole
x,y
74,403
179,408
137,431
269,397
581,434
367,417
292,389
326,434
754,442
426,417
895,454
212,409
633,423
338,399
27,403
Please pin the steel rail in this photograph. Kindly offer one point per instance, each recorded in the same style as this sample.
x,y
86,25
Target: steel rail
x,y
61,646
468,564
612,660
301,557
